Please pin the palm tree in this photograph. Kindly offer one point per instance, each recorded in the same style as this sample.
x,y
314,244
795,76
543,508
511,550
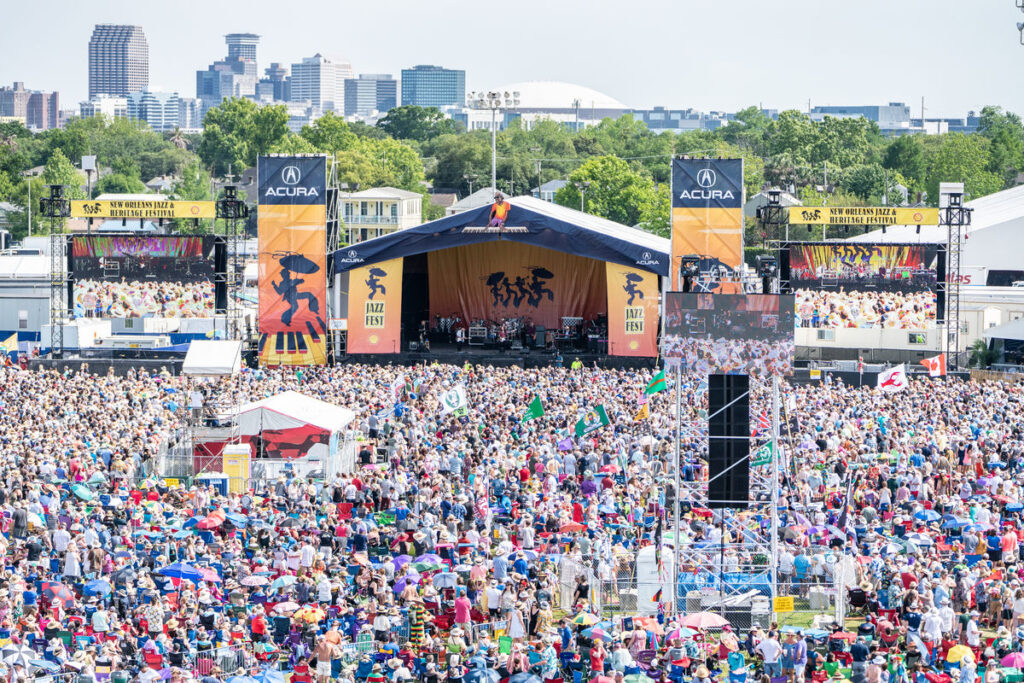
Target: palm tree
x,y
10,142
177,139
981,355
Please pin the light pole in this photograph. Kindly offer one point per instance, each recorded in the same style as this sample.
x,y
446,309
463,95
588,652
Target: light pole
x,y
469,178
495,101
582,186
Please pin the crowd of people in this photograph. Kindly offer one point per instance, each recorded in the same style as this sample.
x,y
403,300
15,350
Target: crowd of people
x,y
702,356
827,308
142,299
485,545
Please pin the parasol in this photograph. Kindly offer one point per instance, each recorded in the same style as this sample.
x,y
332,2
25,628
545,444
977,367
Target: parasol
x,y
703,620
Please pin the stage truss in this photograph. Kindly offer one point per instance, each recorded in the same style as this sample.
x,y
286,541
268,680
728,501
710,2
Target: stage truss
x,y
751,550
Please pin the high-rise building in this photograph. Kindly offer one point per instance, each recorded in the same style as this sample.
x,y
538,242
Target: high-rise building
x,y
370,93
433,86
161,110
234,76
118,60
39,110
276,86
242,46
111,106
321,82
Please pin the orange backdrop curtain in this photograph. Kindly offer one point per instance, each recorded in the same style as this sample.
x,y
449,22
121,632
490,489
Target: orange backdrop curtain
x,y
496,280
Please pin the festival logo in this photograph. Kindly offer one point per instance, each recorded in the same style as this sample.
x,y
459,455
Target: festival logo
x,y
632,303
292,263
514,292
375,305
633,323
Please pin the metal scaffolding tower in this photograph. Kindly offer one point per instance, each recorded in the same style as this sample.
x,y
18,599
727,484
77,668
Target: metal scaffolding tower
x,y
337,339
234,212
57,207
956,218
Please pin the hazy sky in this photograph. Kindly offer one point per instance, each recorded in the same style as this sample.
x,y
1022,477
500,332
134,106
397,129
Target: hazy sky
x,y
714,54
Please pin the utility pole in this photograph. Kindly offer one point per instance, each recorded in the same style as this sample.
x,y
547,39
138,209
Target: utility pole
x,y
29,181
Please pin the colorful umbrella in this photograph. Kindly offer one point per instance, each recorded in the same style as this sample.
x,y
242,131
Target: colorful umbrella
x,y
310,615
585,619
287,606
58,592
703,620
958,652
181,570
1014,660
525,678
598,633
209,575
480,675
282,582
255,580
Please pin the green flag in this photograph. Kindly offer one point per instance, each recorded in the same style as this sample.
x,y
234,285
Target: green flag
x,y
534,410
595,418
762,456
657,383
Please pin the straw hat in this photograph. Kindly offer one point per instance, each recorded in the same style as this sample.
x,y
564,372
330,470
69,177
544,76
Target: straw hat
x,y
701,672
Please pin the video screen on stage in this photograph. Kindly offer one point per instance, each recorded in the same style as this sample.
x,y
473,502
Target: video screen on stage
x,y
742,334
159,276
865,286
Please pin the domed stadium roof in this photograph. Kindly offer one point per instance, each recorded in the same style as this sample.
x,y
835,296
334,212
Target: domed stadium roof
x,y
559,95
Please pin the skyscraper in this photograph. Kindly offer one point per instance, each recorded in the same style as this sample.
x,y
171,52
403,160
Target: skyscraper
x,y
234,76
370,93
38,110
433,86
321,82
242,46
118,60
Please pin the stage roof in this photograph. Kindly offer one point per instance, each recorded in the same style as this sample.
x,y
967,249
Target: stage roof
x,y
530,221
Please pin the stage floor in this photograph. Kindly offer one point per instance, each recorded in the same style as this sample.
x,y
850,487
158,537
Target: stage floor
x,y
479,355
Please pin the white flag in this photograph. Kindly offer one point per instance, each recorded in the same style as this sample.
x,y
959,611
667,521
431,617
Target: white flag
x,y
893,379
454,400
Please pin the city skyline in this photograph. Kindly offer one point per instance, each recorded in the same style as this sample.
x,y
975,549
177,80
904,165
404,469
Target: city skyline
x,y
748,54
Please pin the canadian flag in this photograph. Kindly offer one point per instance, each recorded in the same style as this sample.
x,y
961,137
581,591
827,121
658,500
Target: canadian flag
x,y
936,365
893,379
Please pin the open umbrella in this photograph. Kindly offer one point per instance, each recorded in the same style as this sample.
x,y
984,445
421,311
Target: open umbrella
x,y
525,678
637,678
431,558
212,520
282,581
958,652
571,527
310,615
58,592
1014,660
401,561
405,581
82,491
703,620
21,658
241,679
585,619
181,570
96,587
480,675
254,580
427,566
598,633
680,633
928,516
209,575
270,676
286,607
446,580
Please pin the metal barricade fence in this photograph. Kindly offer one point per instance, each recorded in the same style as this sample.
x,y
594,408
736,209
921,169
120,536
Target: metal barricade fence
x,y
227,658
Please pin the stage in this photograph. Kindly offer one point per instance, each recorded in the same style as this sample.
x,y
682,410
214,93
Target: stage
x,y
551,278
479,355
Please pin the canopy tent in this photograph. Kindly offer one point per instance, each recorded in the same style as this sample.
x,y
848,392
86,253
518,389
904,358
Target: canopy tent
x,y
206,358
292,425
530,221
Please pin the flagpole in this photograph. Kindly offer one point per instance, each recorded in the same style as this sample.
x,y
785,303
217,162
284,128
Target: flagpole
x,y
775,452
678,493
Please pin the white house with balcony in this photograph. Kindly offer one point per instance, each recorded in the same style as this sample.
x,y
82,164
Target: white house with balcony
x,y
378,211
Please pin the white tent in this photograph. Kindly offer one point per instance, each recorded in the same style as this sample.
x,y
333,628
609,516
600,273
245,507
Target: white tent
x,y
213,358
289,410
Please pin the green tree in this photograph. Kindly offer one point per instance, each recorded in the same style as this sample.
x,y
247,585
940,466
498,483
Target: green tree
x,y
410,122
59,171
457,156
749,129
1006,135
792,133
238,131
330,133
906,155
616,192
981,355
193,185
865,181
293,144
963,159
118,183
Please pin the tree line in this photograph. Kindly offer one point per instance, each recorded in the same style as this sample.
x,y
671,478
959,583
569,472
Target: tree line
x,y
626,165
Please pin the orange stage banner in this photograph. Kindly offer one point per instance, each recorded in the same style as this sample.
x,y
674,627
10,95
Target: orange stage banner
x,y
292,260
496,280
707,221
375,308
632,311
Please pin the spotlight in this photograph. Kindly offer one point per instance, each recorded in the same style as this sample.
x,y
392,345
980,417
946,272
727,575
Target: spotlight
x,y
773,197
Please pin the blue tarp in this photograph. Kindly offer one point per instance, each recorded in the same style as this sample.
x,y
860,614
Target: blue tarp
x,y
530,221
735,582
